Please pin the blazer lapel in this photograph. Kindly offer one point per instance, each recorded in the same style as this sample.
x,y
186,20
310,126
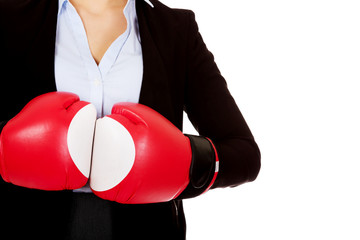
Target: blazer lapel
x,y
155,91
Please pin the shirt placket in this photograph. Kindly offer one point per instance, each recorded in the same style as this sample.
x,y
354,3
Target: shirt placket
x,y
95,77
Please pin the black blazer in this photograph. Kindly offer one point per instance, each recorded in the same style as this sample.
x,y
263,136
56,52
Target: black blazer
x,y
179,75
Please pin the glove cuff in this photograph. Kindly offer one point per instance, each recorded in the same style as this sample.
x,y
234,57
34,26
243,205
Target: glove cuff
x,y
204,167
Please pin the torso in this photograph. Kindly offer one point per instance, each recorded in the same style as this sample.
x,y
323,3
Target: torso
x,y
102,29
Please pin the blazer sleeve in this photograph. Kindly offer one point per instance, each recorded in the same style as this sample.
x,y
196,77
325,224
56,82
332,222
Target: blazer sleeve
x,y
215,115
2,124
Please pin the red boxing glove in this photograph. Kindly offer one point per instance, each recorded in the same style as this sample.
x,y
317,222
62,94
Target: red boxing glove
x,y
48,144
139,156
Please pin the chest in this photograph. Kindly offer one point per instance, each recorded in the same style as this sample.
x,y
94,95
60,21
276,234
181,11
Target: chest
x,y
37,60
119,74
102,30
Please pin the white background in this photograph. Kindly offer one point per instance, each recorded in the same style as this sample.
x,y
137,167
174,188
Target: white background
x,y
293,68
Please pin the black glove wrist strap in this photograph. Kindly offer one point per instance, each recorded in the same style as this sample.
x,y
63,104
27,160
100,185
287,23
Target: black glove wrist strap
x,y
202,167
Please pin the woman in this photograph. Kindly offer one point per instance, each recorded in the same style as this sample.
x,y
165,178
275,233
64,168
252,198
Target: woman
x,y
108,52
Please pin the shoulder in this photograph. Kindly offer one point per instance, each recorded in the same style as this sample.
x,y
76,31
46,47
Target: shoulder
x,y
20,11
25,5
165,10
166,23
166,17
24,22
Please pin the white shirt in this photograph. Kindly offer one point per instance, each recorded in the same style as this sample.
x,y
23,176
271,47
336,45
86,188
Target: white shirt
x,y
117,78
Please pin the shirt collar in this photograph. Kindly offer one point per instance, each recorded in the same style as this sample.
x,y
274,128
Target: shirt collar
x,y
61,2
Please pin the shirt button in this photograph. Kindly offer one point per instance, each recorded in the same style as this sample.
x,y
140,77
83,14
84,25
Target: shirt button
x,y
97,82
